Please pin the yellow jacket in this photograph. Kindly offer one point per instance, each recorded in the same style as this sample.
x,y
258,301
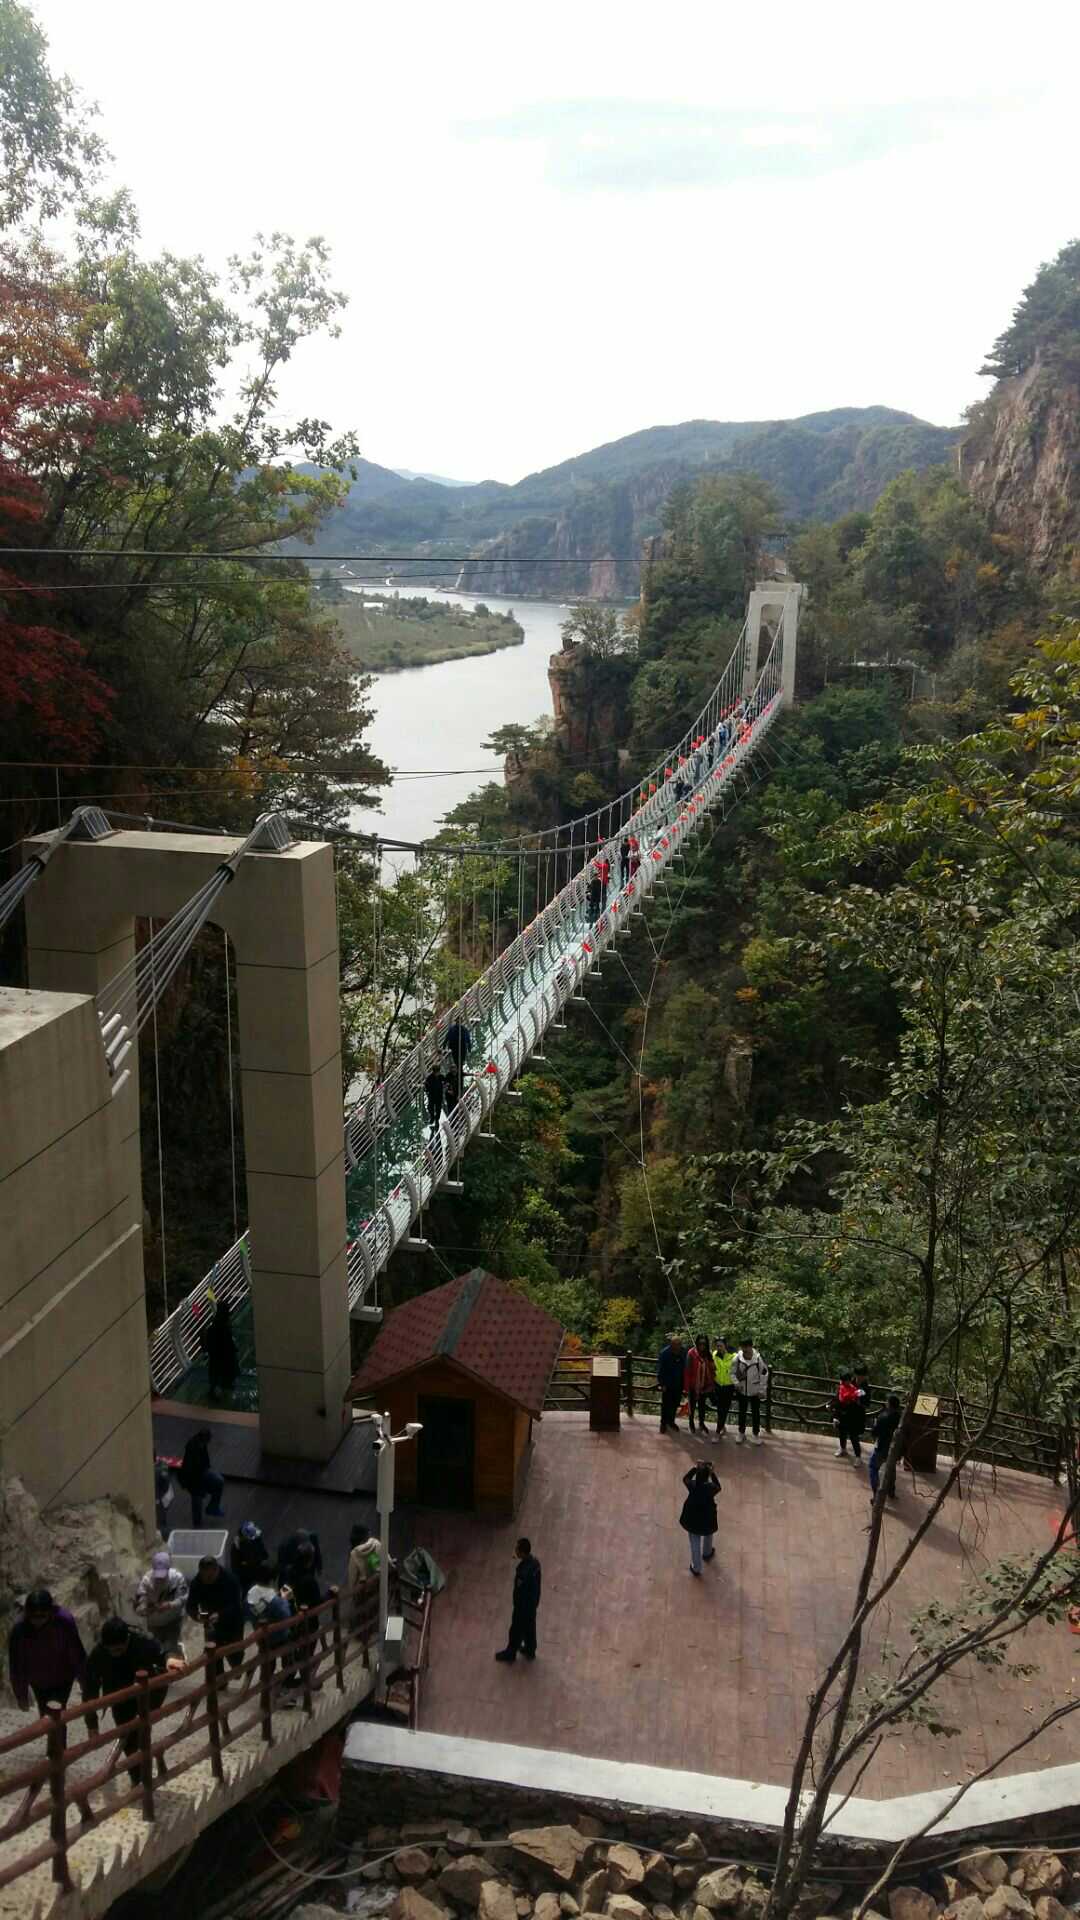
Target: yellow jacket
x,y
723,1362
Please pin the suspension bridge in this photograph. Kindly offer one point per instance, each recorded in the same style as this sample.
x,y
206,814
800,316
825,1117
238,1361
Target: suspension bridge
x,y
590,878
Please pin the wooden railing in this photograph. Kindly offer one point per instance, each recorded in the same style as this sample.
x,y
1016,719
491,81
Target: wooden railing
x,y
313,1646
800,1402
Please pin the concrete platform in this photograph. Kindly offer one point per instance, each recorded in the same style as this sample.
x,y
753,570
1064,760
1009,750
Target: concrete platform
x,y
643,1664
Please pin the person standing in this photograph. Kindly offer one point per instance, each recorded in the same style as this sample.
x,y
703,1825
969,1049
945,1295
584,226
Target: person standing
x,y
723,1361
750,1376
121,1654
458,1043
199,1478
249,1556
222,1365
884,1428
845,1407
699,1379
160,1599
670,1369
45,1653
527,1580
594,900
602,867
698,1516
216,1601
625,847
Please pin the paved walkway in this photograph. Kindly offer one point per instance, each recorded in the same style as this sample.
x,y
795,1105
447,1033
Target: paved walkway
x,y
638,1661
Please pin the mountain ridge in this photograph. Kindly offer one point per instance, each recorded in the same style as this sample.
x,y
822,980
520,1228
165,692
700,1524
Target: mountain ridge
x,y
592,512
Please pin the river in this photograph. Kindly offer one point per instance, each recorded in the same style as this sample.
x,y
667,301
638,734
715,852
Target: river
x,y
432,718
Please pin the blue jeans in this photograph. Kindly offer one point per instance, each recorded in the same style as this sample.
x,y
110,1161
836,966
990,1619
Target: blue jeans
x,y
877,1461
211,1484
696,1541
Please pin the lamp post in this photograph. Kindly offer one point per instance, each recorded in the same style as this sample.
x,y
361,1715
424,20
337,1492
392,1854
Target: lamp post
x,y
385,1442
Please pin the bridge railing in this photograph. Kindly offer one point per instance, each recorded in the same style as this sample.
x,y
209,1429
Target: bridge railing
x,y
511,1005
799,1402
37,1796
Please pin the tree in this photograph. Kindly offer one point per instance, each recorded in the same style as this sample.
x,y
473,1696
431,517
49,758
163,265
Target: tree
x,y
50,414
48,152
959,1183
599,631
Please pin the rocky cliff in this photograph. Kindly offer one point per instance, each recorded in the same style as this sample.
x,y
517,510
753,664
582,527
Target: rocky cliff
x,y
1021,460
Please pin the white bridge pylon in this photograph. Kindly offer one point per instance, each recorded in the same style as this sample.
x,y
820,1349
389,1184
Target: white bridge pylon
x,y
395,1169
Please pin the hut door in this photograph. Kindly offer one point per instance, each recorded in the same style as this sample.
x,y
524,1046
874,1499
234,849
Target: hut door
x,y
447,1447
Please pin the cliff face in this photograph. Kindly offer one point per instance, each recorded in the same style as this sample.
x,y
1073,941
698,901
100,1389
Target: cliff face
x,y
588,702
1021,461
588,550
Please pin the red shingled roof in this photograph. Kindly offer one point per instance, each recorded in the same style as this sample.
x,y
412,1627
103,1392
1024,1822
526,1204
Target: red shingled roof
x,y
477,1323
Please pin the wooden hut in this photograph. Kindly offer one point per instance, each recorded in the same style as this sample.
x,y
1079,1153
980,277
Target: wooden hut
x,y
471,1361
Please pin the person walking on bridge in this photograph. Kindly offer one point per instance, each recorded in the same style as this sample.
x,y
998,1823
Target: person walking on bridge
x,y
594,900
435,1095
45,1654
602,869
670,1372
527,1582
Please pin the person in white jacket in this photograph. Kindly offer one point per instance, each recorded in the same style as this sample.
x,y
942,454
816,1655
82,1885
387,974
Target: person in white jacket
x,y
750,1377
160,1598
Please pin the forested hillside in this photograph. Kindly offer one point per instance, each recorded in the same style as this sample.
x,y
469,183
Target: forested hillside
x,y
578,527
737,1126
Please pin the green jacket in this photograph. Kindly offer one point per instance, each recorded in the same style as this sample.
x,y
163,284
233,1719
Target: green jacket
x,y
723,1363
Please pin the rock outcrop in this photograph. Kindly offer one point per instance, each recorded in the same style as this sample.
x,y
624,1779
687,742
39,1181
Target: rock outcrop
x,y
90,1557
1021,461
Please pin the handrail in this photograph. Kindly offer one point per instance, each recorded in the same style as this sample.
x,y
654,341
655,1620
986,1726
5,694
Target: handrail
x,y
551,956
799,1401
316,1643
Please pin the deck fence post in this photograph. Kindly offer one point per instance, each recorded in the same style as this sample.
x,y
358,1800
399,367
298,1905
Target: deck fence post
x,y
146,1755
266,1684
768,1401
339,1644
213,1713
55,1747
628,1369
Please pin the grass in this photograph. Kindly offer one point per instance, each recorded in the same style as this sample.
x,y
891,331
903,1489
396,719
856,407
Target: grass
x,y
393,642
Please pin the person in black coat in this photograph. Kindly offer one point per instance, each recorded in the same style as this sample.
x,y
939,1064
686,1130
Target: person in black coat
x,y
200,1479
522,1635
435,1095
698,1516
215,1599
120,1655
670,1373
222,1365
249,1556
299,1556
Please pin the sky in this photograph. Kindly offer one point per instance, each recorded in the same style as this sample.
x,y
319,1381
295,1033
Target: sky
x,y
559,224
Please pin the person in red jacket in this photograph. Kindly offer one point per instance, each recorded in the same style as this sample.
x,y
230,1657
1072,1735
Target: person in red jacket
x,y
846,1407
699,1381
602,870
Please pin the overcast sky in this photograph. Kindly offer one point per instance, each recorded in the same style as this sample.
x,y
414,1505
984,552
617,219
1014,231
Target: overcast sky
x,y
561,223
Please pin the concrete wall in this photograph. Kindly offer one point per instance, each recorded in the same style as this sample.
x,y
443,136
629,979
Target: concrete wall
x,y
74,1376
280,914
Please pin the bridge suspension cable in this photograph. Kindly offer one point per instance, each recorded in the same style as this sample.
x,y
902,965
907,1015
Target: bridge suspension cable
x,y
396,1159
126,1002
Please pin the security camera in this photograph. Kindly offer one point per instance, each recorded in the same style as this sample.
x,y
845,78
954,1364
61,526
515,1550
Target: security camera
x,y
413,1427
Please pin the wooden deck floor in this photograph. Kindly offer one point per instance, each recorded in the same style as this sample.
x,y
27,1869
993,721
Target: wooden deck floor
x,y
638,1661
